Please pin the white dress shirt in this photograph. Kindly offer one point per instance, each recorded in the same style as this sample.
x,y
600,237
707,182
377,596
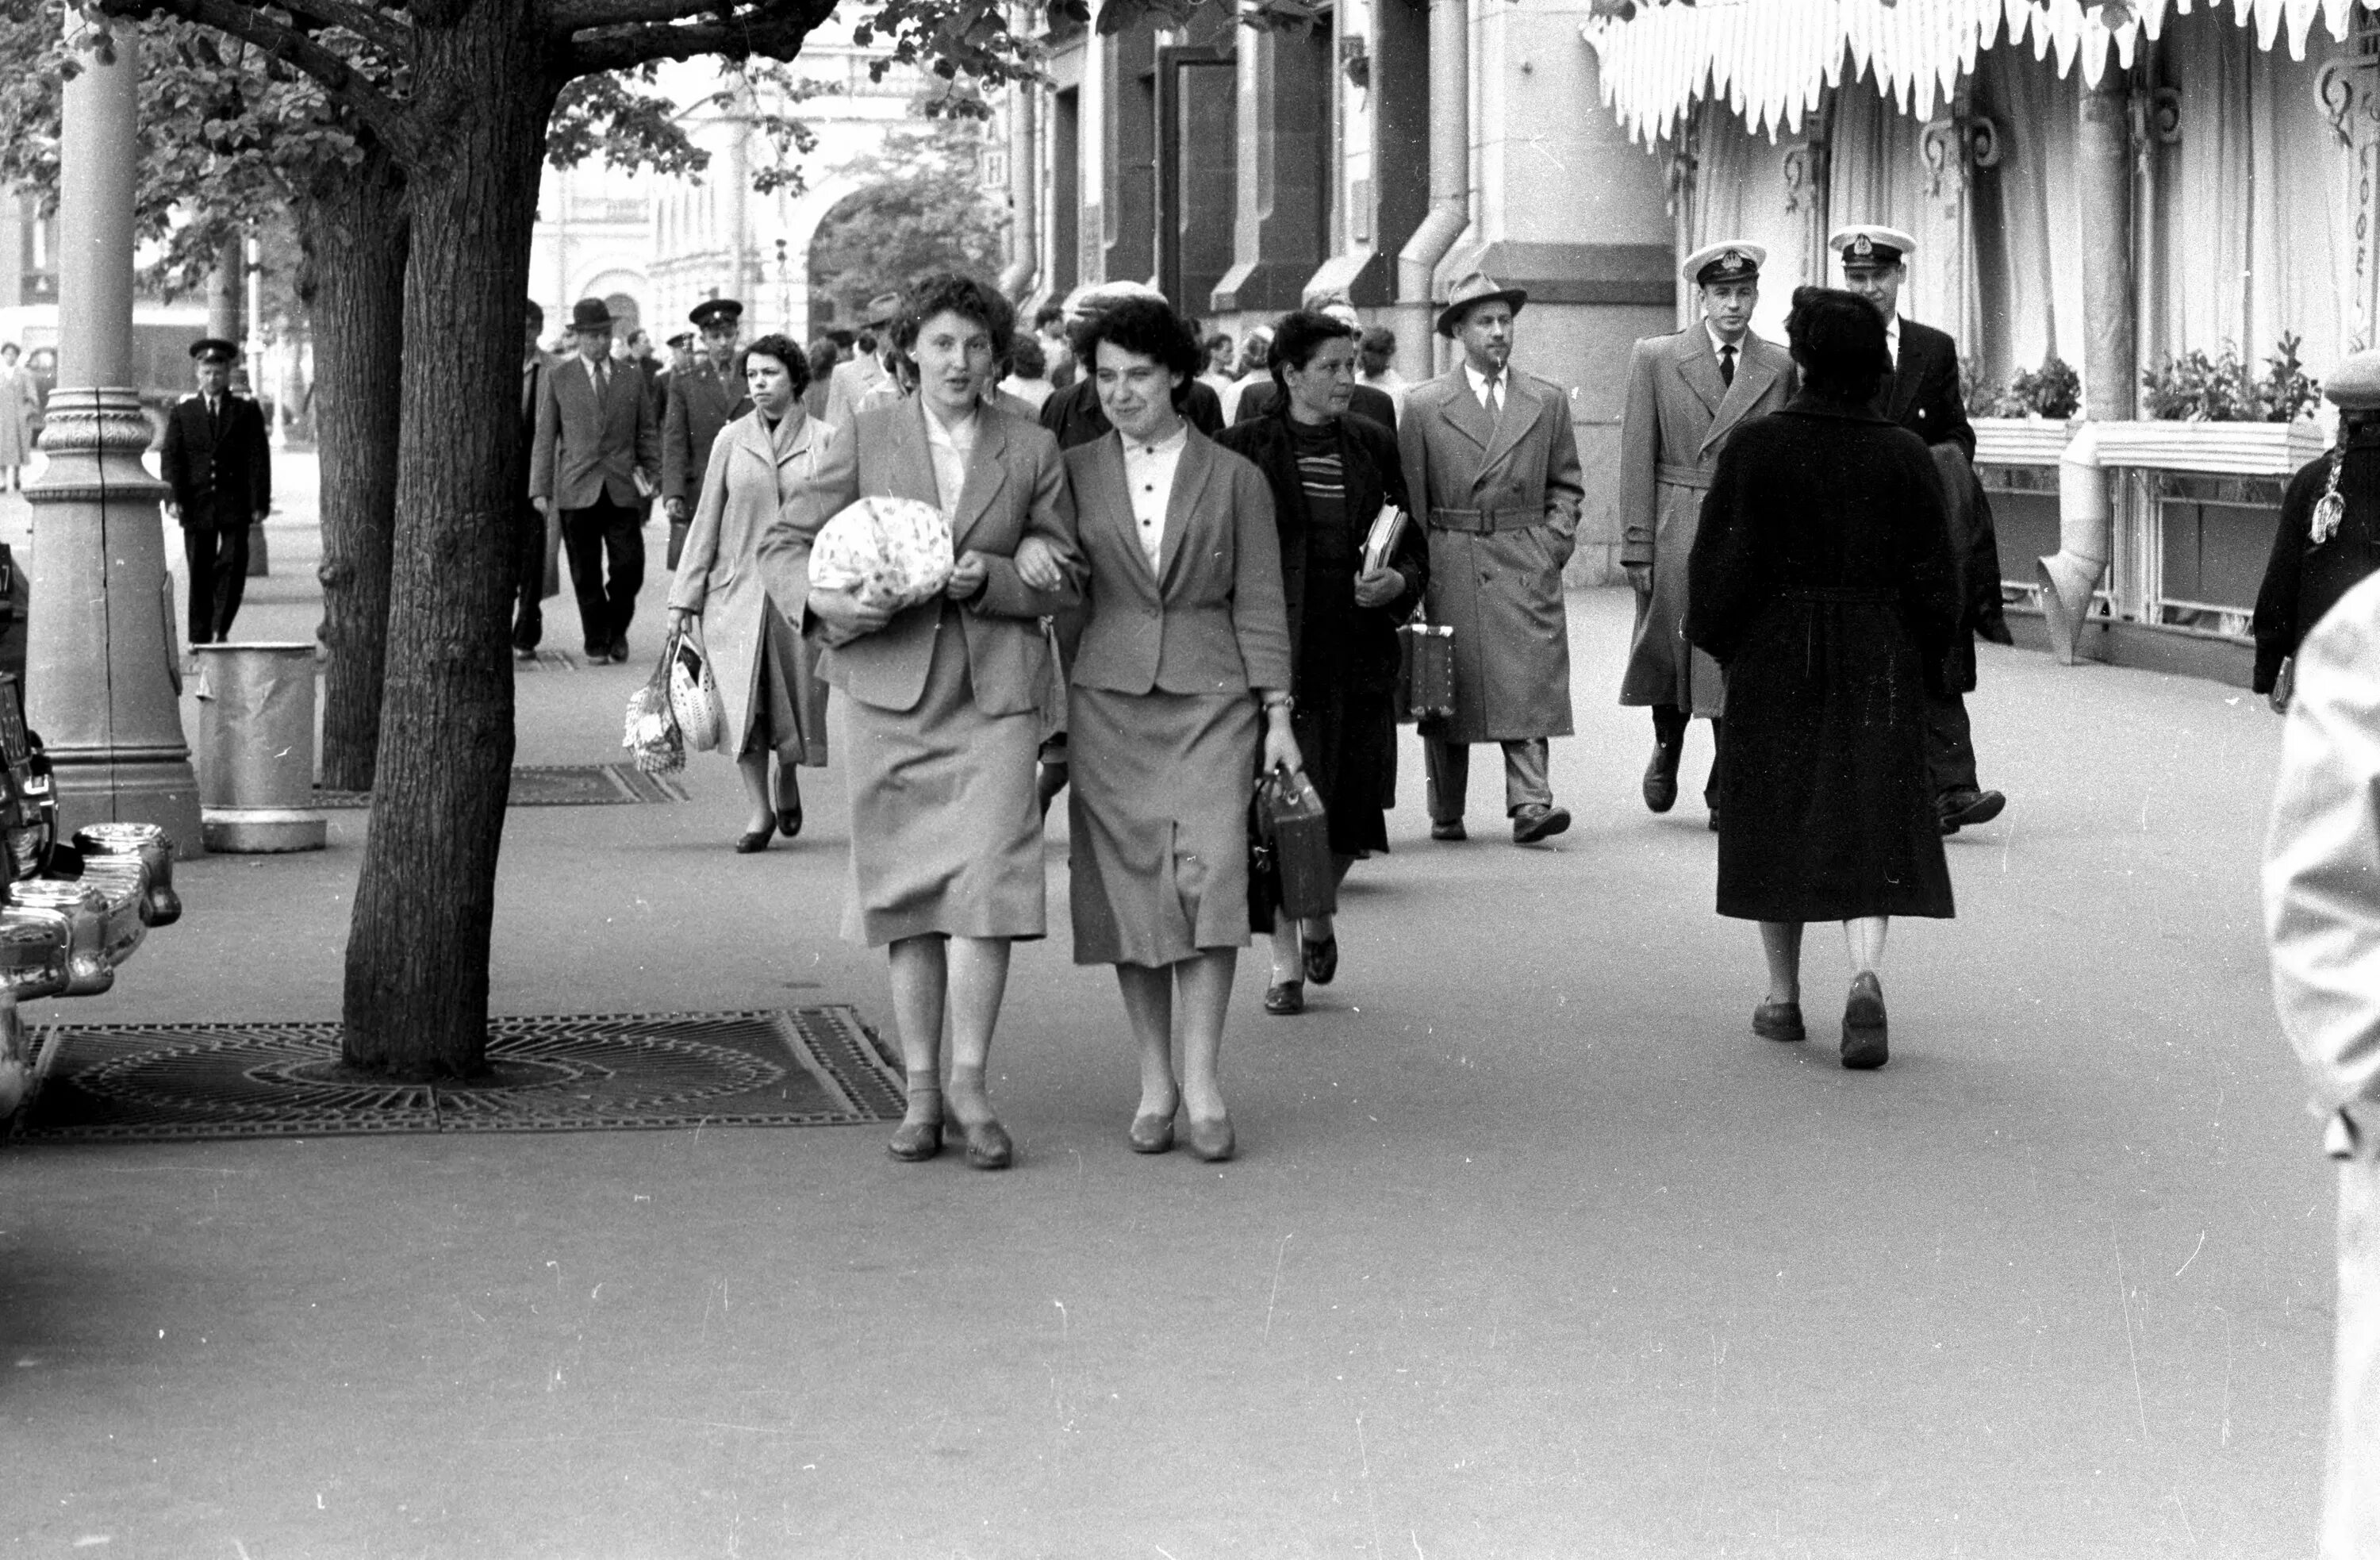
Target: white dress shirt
x,y
1892,339
1480,382
949,447
1148,474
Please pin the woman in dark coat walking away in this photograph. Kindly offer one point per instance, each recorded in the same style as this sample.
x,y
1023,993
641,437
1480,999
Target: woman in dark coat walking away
x,y
1329,475
1821,580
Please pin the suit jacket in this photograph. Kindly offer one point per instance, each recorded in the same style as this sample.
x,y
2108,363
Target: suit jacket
x,y
220,468
1500,497
1015,487
1922,393
1074,414
703,400
849,384
587,450
1210,617
1373,405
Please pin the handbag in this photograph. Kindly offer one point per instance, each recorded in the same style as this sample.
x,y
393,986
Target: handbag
x,y
653,734
1293,836
1424,689
694,696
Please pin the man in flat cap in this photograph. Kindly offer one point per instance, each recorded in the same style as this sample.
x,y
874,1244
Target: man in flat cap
x,y
1491,465
598,452
1686,394
704,398
868,368
218,459
2329,534
1922,393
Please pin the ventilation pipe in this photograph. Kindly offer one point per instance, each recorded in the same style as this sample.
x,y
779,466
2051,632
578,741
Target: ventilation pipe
x,y
1450,184
1023,268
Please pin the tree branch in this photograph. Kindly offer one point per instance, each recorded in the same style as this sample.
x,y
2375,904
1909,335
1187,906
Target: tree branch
x,y
339,80
576,16
362,20
778,35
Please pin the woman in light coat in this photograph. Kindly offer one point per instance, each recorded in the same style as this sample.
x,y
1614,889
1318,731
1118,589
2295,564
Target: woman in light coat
x,y
19,403
774,702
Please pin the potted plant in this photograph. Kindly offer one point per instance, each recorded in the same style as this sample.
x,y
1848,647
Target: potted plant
x,y
2220,416
2024,422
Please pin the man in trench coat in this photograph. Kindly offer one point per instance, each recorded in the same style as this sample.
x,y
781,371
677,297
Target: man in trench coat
x,y
703,398
1491,465
1686,394
2321,914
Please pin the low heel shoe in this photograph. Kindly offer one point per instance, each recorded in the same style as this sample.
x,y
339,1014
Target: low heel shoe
x,y
1864,1047
1778,1020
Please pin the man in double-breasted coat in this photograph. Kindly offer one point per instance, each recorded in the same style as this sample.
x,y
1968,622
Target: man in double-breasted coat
x,y
1686,394
218,459
1922,393
1491,465
598,452
704,397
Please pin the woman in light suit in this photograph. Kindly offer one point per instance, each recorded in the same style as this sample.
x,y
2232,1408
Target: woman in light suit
x,y
941,702
766,674
1181,681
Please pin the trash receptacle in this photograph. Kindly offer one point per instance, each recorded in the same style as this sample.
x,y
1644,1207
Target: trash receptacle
x,y
256,749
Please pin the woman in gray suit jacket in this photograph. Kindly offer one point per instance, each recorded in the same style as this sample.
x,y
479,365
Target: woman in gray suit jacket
x,y
941,702
1185,640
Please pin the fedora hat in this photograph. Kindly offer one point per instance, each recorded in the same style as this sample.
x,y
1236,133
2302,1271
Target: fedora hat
x,y
590,314
1468,293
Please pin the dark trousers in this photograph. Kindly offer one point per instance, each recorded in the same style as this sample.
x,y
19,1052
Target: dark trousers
x,y
528,590
589,536
217,561
1669,723
1949,744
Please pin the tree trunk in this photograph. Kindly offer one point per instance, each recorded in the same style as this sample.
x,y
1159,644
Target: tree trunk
x,y
417,975
353,229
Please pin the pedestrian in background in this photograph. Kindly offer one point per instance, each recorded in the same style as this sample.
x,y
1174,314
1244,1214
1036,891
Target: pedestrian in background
x,y
1492,467
1821,582
1221,355
942,701
766,673
2329,534
1027,378
1254,367
1686,394
1329,475
18,397
1376,368
701,401
824,356
217,462
598,453
1057,350
869,368
537,535
1185,653
2321,914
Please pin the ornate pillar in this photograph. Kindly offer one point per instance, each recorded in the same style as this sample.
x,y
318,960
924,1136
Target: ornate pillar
x,y
100,675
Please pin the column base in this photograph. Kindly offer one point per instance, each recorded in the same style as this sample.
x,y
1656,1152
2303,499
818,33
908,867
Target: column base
x,y
104,788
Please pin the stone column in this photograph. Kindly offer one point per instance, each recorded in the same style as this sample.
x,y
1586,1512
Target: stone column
x,y
102,679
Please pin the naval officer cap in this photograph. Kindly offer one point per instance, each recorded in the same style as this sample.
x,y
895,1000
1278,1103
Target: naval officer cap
x,y
716,311
213,350
2354,384
1729,259
1866,247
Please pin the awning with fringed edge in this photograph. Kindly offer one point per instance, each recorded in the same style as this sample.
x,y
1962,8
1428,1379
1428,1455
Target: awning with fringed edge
x,y
1769,60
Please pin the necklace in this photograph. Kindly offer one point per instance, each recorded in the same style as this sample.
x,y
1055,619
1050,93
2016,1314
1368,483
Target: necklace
x,y
2329,509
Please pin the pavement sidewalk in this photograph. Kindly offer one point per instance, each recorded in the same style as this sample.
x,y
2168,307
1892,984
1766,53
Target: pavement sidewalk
x,y
1533,1250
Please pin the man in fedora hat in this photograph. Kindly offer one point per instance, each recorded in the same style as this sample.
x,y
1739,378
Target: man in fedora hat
x,y
868,368
218,459
598,449
704,398
1492,468
1686,394
1922,393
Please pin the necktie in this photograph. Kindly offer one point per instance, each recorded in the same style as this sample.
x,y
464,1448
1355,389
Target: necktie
x,y
1727,365
1496,395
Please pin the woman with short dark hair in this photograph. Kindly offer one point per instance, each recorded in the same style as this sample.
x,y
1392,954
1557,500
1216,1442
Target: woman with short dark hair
x,y
1330,475
1821,582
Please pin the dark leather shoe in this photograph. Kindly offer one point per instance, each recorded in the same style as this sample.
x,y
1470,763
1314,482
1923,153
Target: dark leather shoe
x,y
1958,809
1863,1024
988,1146
1152,1133
524,652
1538,822
1212,1140
1322,960
1449,828
752,841
1661,780
598,652
1778,1020
1714,820
1285,997
619,649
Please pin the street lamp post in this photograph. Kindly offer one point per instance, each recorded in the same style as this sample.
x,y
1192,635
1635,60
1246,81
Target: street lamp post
x,y
101,679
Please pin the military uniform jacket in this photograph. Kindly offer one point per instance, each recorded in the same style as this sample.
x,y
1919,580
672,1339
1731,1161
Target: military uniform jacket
x,y
703,400
220,468
1681,410
1500,500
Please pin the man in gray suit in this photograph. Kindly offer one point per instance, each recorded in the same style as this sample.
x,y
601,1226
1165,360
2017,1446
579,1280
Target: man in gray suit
x,y
1686,394
850,383
598,449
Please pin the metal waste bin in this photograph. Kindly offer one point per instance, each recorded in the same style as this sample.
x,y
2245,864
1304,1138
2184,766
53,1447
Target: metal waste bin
x,y
256,749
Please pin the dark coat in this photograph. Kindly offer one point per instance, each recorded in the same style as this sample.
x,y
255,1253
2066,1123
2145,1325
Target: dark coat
x,y
700,402
1822,582
1923,396
1367,455
1369,402
2303,581
1074,414
220,468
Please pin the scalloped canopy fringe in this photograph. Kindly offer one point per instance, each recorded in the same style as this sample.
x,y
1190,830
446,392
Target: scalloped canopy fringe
x,y
1769,60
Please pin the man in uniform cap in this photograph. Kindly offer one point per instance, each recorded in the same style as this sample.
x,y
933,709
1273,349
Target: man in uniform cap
x,y
597,450
705,399
1922,393
218,459
1491,465
1686,394
2329,534
851,382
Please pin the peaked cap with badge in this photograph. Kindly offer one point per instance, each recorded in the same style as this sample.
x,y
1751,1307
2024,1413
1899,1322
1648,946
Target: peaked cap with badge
x,y
1868,247
1729,259
715,311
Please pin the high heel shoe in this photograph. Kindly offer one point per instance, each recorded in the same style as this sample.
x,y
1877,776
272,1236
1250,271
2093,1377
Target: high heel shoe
x,y
1153,1132
915,1142
755,840
1212,1140
789,808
